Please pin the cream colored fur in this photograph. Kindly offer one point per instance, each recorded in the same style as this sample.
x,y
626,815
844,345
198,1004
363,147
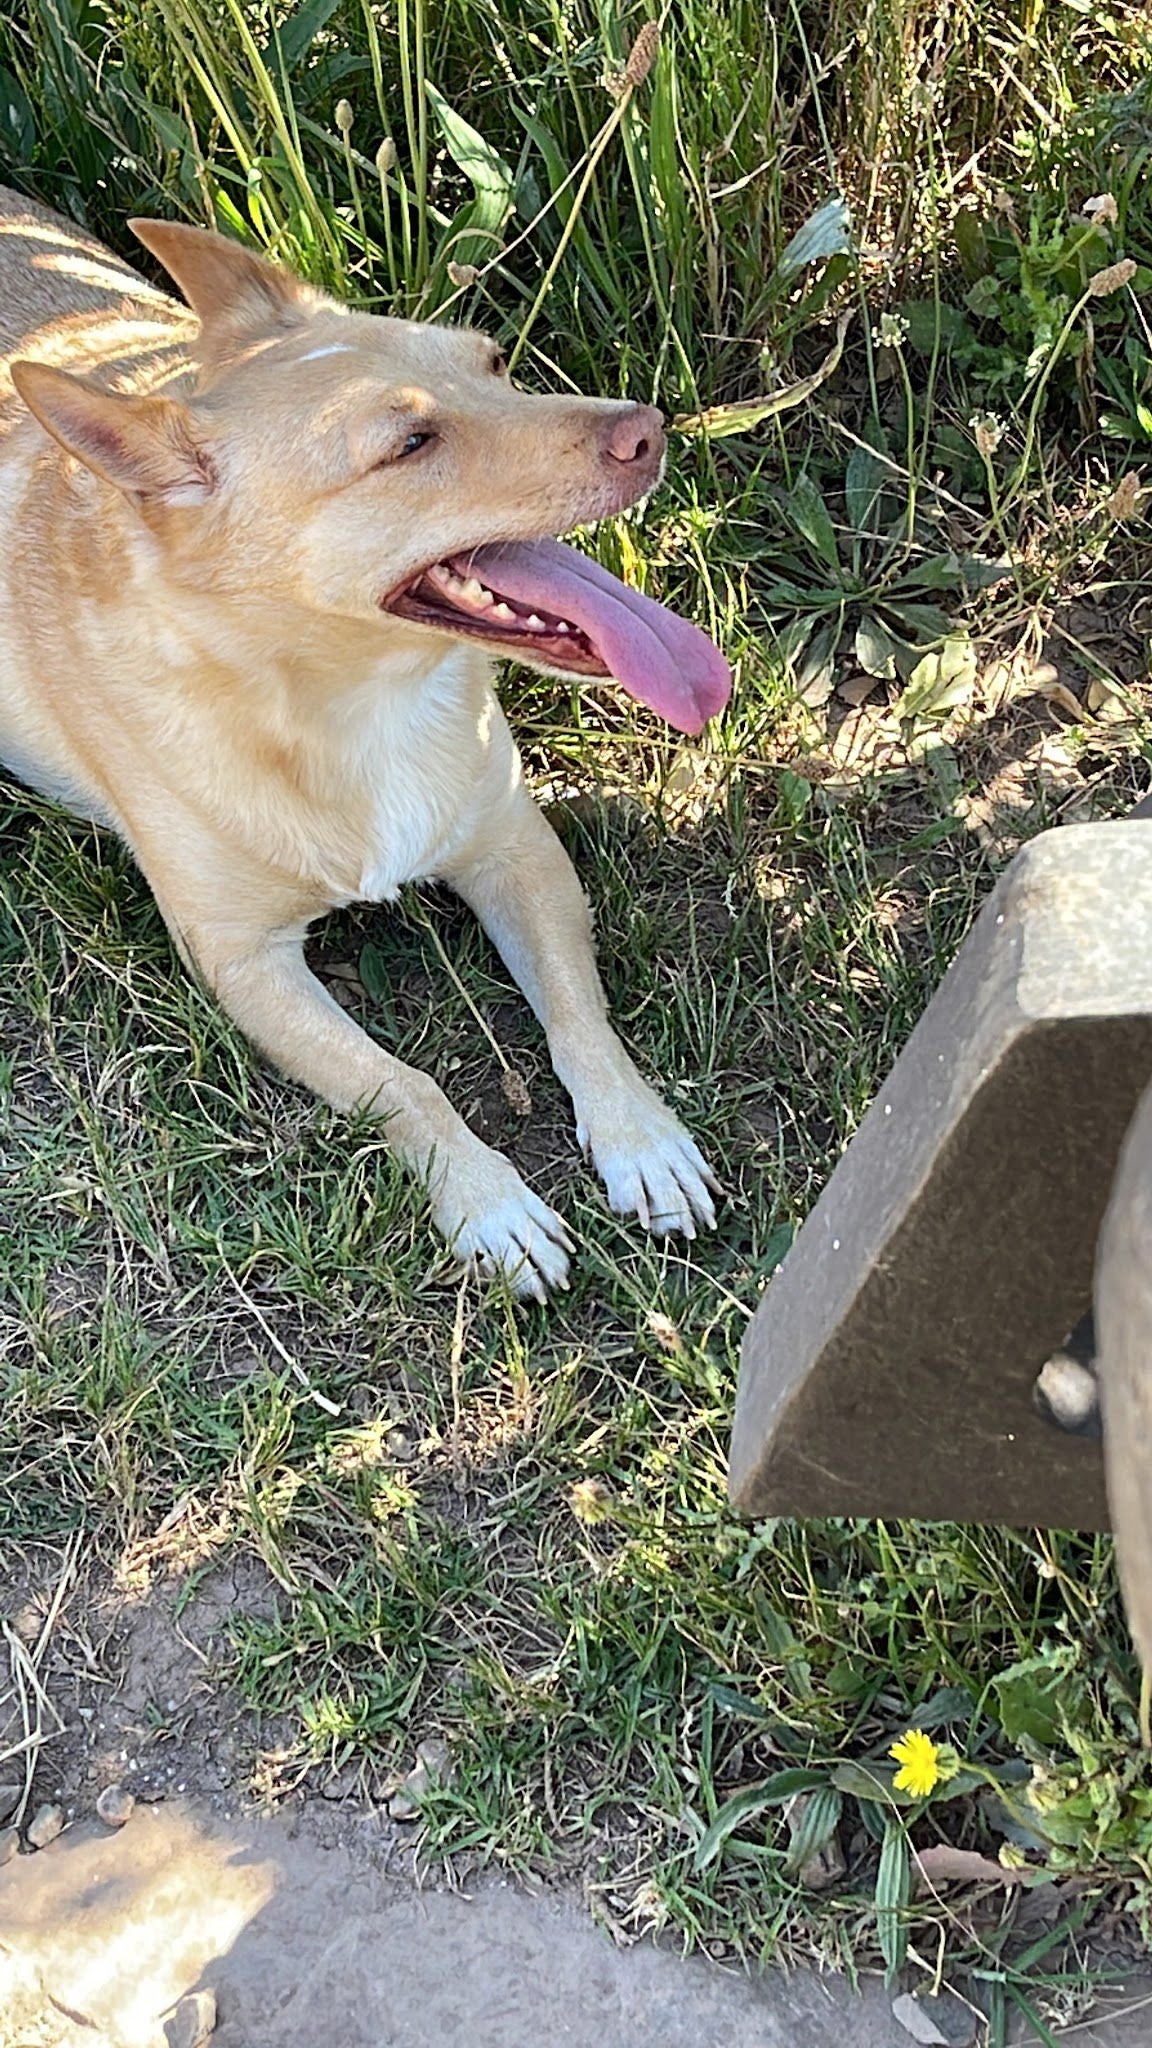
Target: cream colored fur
x,y
199,518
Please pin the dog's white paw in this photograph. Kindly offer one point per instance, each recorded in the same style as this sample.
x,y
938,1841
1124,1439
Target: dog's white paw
x,y
492,1220
649,1165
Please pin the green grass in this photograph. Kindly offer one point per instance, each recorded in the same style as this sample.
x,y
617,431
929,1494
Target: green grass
x,y
510,1527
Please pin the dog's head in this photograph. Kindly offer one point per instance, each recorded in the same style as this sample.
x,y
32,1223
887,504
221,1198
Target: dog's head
x,y
380,469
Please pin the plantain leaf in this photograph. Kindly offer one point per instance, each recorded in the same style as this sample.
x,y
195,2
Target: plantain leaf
x,y
815,1826
864,480
827,232
927,621
875,649
299,30
745,413
939,681
893,1891
951,571
491,178
751,1800
809,514
936,572
529,202
814,675
17,121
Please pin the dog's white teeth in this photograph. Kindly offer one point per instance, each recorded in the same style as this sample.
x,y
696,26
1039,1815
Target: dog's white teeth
x,y
503,611
534,624
562,626
475,592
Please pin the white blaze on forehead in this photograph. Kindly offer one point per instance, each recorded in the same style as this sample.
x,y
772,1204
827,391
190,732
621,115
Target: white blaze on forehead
x,y
331,348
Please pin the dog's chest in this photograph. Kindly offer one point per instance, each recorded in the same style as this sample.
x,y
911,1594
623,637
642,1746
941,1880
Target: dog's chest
x,y
428,763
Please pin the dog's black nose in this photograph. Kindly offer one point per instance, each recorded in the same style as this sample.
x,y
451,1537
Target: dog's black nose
x,y
636,437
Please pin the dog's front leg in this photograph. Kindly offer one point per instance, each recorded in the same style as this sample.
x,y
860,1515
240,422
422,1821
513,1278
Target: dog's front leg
x,y
524,890
487,1213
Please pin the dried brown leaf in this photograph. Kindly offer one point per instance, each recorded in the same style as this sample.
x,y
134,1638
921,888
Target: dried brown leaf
x,y
1055,692
943,1864
1127,497
856,689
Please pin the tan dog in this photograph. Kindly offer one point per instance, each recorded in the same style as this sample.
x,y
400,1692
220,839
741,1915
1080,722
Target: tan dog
x,y
256,567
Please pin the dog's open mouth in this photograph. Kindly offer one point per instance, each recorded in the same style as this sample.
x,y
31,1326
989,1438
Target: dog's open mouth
x,y
451,594
548,605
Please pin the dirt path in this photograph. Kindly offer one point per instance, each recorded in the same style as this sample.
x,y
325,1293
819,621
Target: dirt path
x,y
102,1933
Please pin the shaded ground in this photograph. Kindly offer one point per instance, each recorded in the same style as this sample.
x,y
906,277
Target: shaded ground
x,y
302,1944
102,1933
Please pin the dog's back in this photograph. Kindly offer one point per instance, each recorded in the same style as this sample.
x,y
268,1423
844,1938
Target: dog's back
x,y
66,299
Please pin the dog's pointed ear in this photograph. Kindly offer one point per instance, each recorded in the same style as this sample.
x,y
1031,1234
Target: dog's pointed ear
x,y
146,446
239,296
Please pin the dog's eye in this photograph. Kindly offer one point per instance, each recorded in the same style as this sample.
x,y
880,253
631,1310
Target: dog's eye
x,y
413,445
499,363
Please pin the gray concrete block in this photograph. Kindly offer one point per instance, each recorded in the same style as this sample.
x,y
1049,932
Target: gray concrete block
x,y
1124,1364
891,1366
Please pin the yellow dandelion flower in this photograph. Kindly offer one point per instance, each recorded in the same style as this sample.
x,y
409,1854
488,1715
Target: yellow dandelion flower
x,y
919,1761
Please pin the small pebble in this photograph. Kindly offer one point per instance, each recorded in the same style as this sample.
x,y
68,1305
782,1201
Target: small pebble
x,y
403,1806
433,1767
824,1869
9,1844
190,2023
435,1759
941,2022
46,1823
342,1784
115,1805
1069,1391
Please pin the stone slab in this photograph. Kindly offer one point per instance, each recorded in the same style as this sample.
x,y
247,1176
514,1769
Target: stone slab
x,y
891,1365
1124,1367
296,1944
302,1945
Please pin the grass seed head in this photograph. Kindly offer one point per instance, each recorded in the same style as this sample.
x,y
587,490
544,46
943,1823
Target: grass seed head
x,y
1112,279
642,56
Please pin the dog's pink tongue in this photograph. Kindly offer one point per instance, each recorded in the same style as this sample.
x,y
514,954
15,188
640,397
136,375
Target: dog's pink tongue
x,y
666,662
